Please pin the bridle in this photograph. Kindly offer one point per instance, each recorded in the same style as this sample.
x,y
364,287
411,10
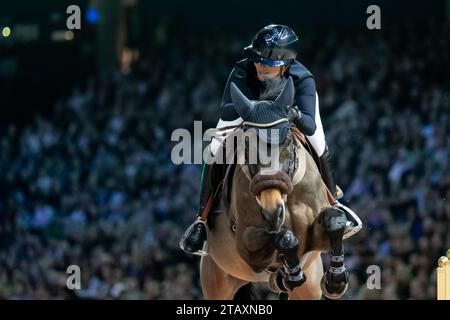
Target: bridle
x,y
284,181
279,179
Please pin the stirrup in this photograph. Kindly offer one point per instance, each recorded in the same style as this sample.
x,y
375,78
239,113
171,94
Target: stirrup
x,y
354,223
204,250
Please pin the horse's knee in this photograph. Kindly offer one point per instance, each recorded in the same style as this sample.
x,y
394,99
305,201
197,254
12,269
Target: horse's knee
x,y
286,242
334,220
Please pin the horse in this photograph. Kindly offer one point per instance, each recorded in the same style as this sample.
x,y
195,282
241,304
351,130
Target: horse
x,y
279,218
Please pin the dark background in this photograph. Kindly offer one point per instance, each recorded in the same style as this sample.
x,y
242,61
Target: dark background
x,y
86,176
40,70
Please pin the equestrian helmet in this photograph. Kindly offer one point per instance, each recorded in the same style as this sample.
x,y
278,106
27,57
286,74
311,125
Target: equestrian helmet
x,y
274,45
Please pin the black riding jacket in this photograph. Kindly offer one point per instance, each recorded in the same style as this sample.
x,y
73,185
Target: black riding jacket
x,y
244,77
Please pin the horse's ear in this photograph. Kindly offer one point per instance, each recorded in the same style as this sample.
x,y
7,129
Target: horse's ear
x,y
242,105
286,97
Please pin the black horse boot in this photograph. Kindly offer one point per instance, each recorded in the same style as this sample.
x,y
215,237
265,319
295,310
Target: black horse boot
x,y
354,224
194,238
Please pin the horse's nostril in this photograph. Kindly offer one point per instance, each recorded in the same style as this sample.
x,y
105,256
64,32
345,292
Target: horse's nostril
x,y
279,212
274,218
266,215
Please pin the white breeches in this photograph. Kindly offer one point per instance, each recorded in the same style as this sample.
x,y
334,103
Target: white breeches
x,y
317,140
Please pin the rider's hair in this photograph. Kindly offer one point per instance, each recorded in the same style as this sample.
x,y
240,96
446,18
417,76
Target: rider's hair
x,y
284,69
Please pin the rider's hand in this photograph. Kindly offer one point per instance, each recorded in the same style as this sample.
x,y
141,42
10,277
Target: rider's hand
x,y
294,113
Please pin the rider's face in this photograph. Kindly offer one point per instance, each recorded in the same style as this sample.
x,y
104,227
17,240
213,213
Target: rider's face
x,y
265,72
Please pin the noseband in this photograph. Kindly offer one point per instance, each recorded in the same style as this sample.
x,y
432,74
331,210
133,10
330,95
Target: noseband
x,y
279,180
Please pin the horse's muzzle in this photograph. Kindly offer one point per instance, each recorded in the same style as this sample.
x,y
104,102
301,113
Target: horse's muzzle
x,y
272,209
270,191
274,220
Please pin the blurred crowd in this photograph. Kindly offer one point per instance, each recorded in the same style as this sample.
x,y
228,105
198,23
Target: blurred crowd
x,y
93,184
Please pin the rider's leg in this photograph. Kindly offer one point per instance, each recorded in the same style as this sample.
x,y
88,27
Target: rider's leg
x,y
194,239
327,173
319,144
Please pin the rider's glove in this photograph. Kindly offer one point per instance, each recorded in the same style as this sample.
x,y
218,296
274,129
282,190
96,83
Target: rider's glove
x,y
294,114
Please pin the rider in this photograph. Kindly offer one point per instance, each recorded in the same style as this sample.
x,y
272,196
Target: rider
x,y
261,76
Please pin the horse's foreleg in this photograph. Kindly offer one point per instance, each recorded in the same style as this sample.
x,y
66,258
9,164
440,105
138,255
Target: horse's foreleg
x,y
292,275
215,283
335,281
310,290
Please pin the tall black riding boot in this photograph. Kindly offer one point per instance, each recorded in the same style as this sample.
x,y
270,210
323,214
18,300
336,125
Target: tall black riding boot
x,y
194,238
327,173
354,224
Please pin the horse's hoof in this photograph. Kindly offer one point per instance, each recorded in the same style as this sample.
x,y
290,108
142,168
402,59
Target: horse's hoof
x,y
333,291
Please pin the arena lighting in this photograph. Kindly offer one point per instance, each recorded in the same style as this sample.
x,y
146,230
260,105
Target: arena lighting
x,y
92,15
62,35
69,35
6,32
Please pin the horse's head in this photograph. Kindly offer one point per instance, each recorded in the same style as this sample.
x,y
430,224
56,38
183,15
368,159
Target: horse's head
x,y
271,156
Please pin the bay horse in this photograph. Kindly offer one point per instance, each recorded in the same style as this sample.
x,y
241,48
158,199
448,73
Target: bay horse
x,y
279,218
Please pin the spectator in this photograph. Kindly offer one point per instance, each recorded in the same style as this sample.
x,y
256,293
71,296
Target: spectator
x,y
93,184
